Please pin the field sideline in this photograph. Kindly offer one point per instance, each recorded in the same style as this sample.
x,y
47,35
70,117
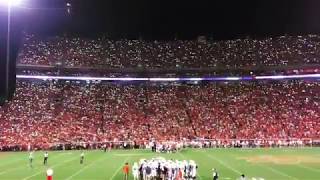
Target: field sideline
x,y
268,164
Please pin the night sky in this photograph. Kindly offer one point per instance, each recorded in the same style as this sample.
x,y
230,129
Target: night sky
x,y
149,19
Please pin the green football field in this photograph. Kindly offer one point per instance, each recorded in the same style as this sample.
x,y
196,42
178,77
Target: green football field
x,y
268,164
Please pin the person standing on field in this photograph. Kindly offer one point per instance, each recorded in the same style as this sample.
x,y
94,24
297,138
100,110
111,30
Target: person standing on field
x,y
81,157
125,170
135,171
215,174
31,159
243,177
45,158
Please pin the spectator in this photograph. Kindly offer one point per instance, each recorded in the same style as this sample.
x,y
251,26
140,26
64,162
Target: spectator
x,y
47,114
239,53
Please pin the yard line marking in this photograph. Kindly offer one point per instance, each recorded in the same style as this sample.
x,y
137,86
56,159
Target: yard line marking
x,y
59,164
184,157
119,168
85,167
279,172
309,168
225,165
12,169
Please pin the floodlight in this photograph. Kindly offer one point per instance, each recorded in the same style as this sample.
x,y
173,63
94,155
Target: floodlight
x,y
10,2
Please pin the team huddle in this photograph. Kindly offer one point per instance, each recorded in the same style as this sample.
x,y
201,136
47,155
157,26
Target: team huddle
x,y
160,168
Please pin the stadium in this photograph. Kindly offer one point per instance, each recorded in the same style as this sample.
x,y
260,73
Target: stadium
x,y
90,91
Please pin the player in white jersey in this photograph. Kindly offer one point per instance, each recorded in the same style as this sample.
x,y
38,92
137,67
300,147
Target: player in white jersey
x,y
193,169
174,170
143,169
153,169
170,171
31,159
135,171
193,172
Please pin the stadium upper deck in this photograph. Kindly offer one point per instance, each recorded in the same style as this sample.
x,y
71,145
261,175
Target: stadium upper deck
x,y
74,52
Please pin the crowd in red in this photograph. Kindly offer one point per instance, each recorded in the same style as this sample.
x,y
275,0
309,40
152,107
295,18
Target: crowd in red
x,y
284,50
45,113
48,113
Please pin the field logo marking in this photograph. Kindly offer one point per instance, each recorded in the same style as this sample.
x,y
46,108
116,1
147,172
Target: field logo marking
x,y
274,170
280,159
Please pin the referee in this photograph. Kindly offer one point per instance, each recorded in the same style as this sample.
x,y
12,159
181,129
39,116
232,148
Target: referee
x,y
45,158
215,174
31,159
81,157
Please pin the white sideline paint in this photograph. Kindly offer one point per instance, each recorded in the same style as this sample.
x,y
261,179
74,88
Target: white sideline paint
x,y
225,165
115,173
85,167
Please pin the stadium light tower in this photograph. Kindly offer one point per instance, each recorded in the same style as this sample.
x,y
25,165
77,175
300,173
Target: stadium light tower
x,y
8,4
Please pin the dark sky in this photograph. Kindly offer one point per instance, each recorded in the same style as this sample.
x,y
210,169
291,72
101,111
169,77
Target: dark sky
x,y
167,19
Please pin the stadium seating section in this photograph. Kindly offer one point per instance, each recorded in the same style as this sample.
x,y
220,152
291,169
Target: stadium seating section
x,y
75,52
47,112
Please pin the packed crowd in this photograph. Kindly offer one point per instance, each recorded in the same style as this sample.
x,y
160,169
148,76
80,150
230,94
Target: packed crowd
x,y
46,113
67,51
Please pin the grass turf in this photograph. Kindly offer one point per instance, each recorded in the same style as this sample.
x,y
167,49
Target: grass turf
x,y
269,164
